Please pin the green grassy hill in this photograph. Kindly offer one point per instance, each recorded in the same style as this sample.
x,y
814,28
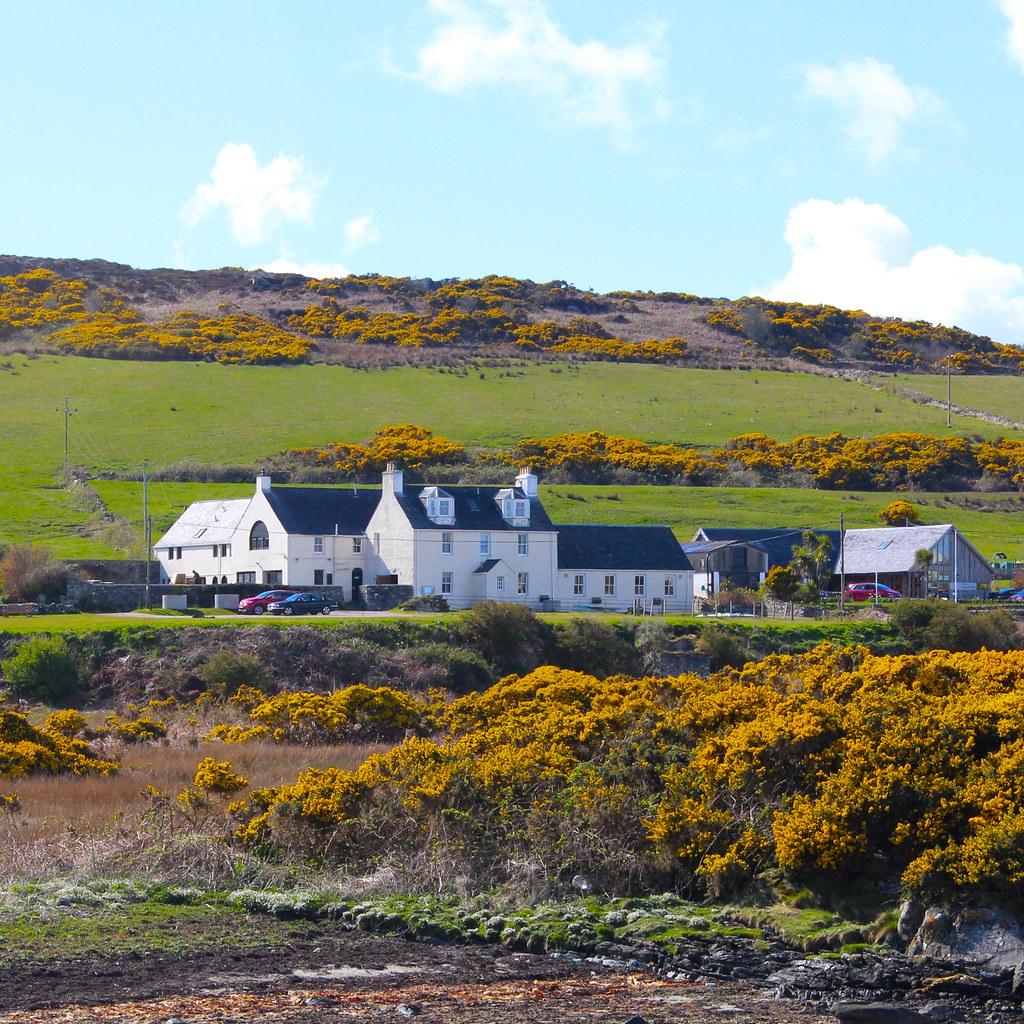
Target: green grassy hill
x,y
128,412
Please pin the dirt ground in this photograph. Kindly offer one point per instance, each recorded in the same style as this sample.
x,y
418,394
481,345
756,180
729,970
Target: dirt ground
x,y
354,976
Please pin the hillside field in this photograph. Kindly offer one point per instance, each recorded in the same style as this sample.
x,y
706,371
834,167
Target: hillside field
x,y
993,522
999,396
166,412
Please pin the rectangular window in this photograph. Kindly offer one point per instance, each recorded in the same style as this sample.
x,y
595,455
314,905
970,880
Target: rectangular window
x,y
670,586
639,586
579,584
609,586
225,550
330,579
318,545
520,510
376,541
357,545
444,507
446,543
275,577
178,554
523,583
499,584
245,577
446,583
485,545
523,543
216,549
318,577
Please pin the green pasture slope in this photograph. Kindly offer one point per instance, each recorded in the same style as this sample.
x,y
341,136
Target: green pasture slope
x,y
998,396
126,412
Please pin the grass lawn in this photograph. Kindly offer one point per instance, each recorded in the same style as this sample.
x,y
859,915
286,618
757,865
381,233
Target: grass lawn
x,y
127,412
1001,396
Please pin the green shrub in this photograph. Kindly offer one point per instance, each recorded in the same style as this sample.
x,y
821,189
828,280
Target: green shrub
x,y
943,625
509,636
596,648
42,668
226,671
723,648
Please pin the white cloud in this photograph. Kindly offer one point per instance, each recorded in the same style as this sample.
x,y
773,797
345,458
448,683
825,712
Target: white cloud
x,y
322,270
361,231
858,255
1014,10
256,197
874,103
515,42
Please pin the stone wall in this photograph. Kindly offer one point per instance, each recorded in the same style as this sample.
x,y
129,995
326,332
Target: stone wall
x,y
382,597
112,570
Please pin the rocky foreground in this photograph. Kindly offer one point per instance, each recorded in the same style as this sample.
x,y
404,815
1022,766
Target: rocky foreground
x,y
330,974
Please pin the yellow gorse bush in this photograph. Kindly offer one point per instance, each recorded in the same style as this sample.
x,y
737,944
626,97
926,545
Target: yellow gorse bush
x,y
355,713
814,762
51,750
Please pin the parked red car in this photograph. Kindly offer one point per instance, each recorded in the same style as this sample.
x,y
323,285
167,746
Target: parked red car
x,y
261,602
867,591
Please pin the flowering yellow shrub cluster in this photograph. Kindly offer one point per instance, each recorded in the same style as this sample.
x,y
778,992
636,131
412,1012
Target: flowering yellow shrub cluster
x,y
585,456
51,750
809,332
235,338
40,300
134,730
89,321
357,713
406,444
884,461
819,763
489,324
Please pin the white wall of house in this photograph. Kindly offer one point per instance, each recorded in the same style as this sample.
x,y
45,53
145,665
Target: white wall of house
x,y
618,588
391,536
446,561
200,559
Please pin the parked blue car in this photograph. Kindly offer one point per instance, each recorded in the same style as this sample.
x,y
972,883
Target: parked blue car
x,y
303,604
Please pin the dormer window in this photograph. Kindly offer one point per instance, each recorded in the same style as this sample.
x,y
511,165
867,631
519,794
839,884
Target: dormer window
x,y
439,505
514,505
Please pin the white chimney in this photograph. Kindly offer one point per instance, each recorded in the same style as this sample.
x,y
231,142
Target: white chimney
x,y
526,481
392,480
262,480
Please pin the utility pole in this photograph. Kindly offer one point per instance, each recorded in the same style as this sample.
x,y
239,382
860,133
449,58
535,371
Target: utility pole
x,y
68,413
146,526
949,392
842,564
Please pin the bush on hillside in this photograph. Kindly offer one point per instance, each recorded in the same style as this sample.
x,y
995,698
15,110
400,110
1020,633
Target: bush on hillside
x,y
944,625
227,670
597,648
509,636
42,669
29,572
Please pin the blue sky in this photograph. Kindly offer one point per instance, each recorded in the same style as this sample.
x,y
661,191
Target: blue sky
x,y
867,155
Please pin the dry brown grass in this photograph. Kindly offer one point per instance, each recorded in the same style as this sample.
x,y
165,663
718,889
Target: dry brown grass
x,y
69,826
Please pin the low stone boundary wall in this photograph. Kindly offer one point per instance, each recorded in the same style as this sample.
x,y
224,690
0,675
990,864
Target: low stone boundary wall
x,y
382,597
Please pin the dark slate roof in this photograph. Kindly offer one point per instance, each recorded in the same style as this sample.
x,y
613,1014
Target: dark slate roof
x,y
486,566
318,510
475,509
777,541
619,547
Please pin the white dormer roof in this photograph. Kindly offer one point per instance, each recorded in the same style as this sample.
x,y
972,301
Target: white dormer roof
x,y
439,505
514,505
